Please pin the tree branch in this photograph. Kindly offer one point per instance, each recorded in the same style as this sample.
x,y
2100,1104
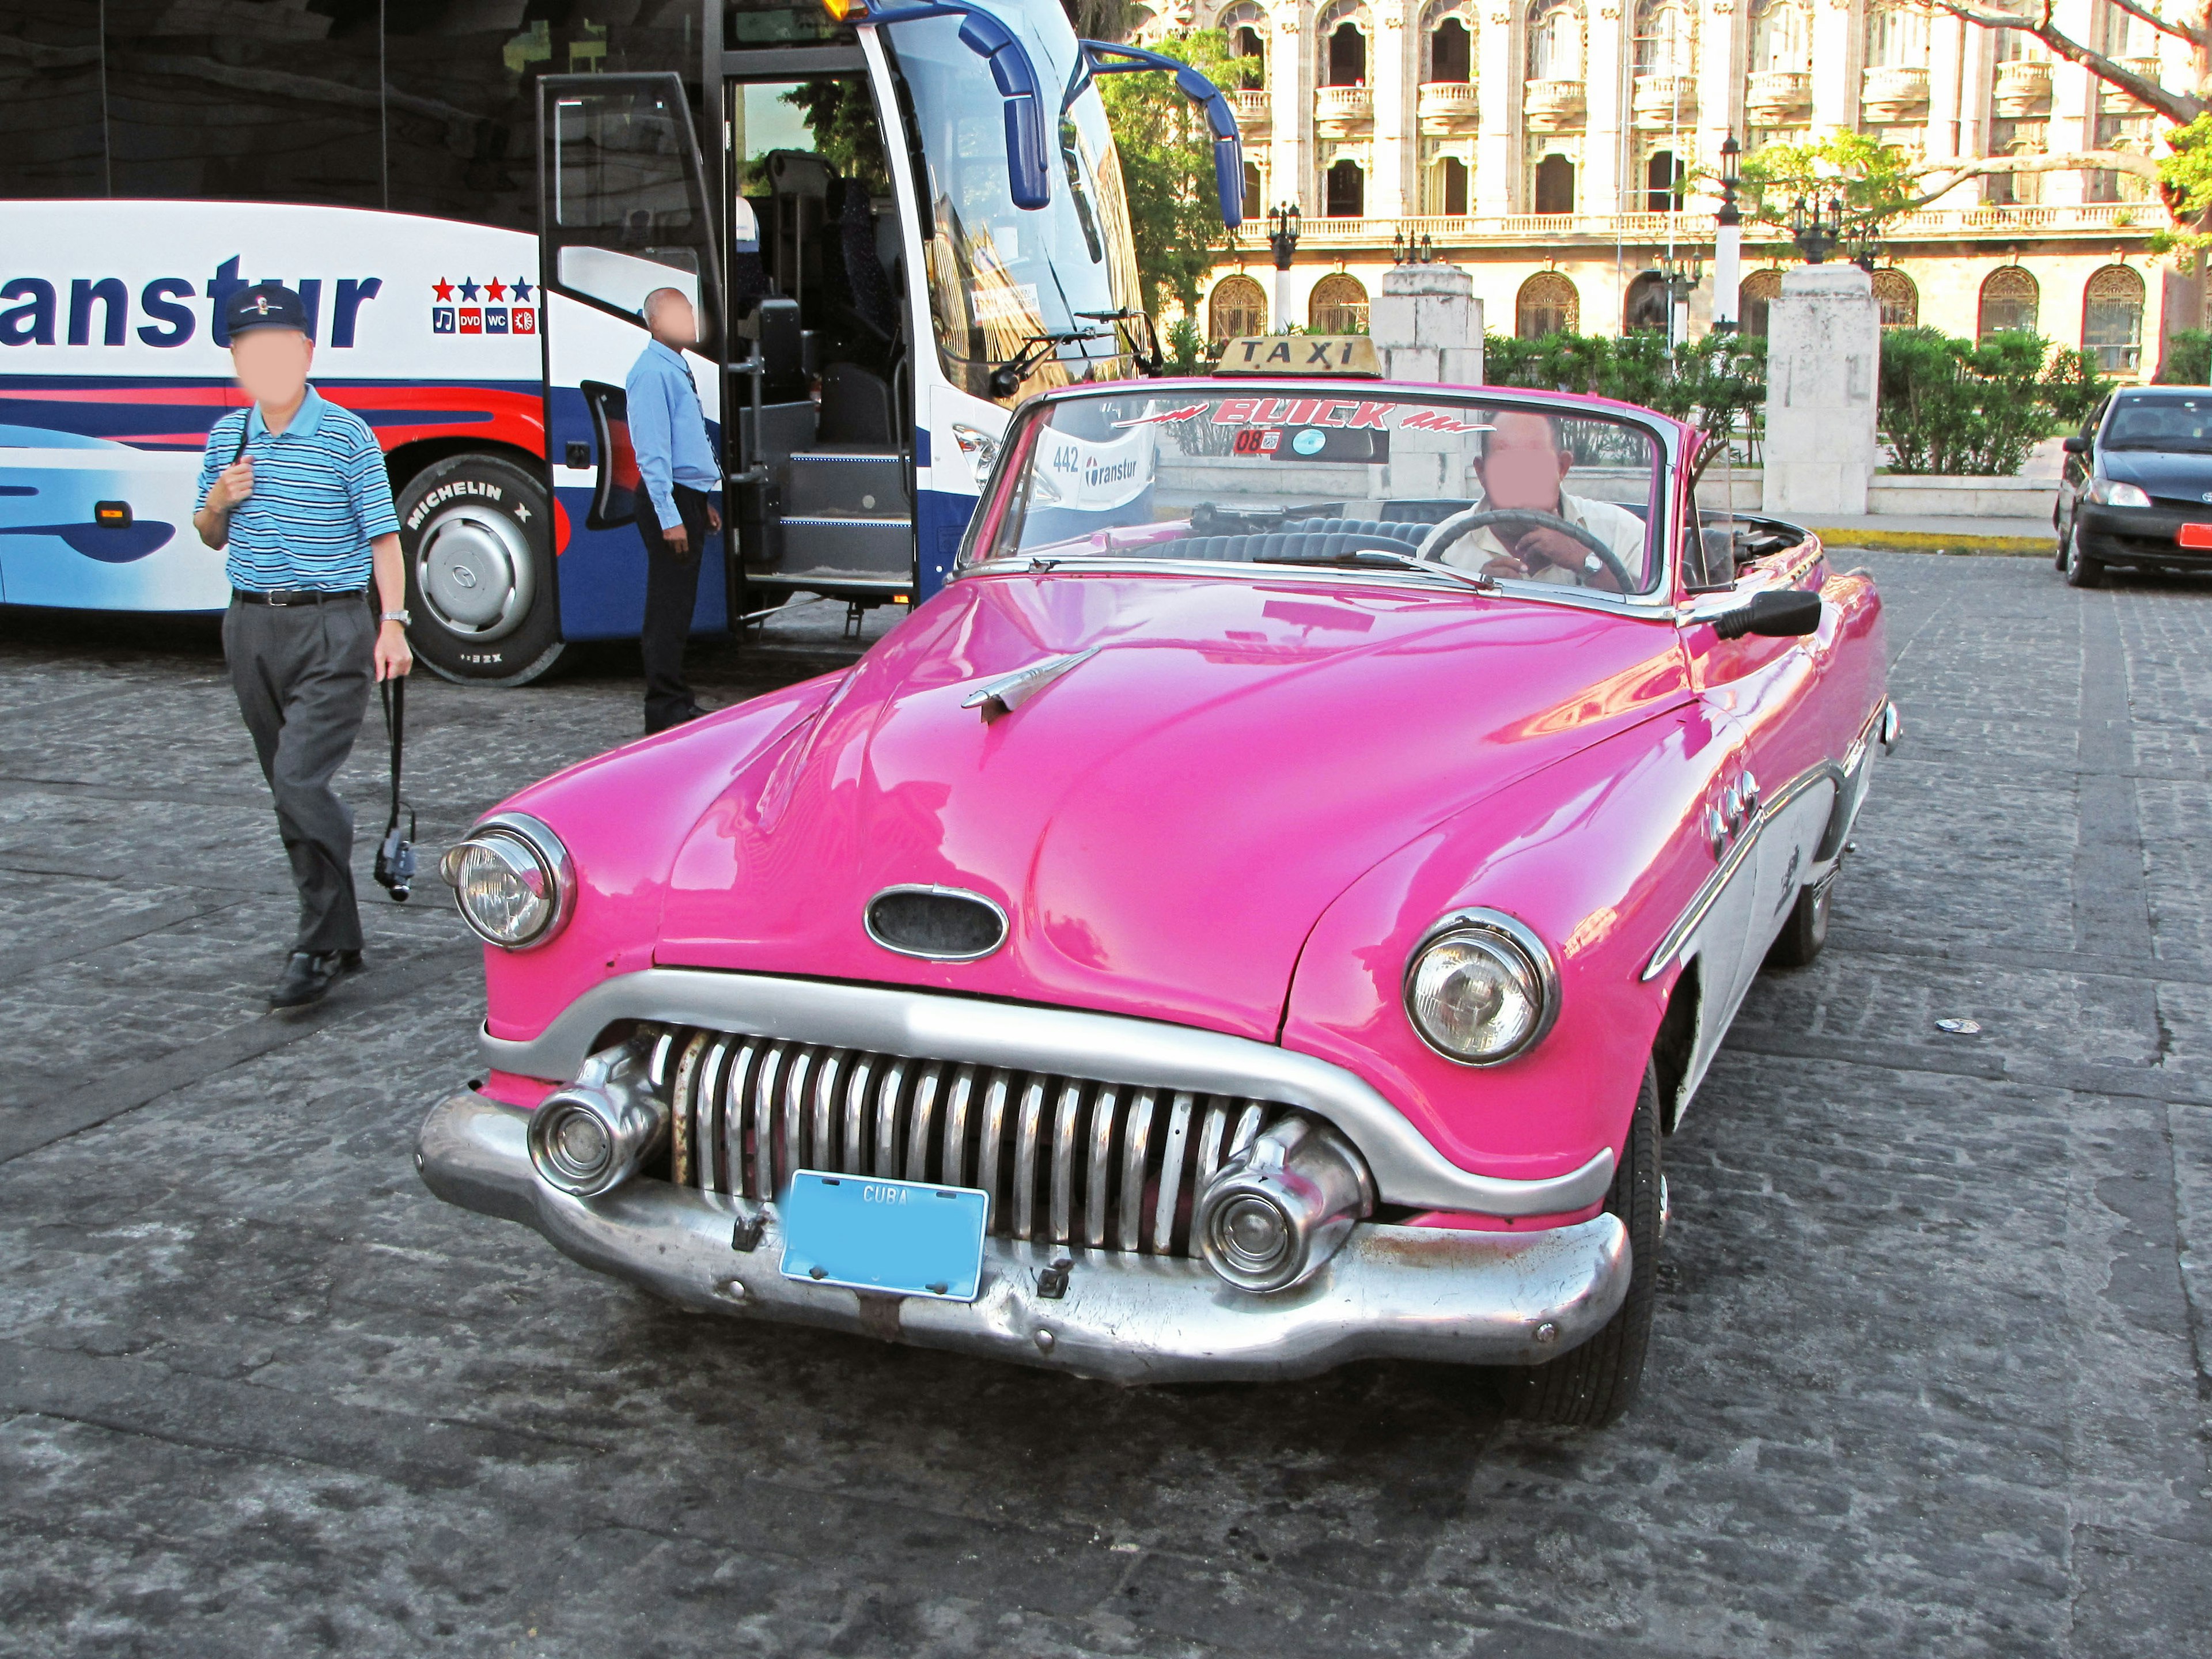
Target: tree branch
x,y
2134,10
1953,174
2178,107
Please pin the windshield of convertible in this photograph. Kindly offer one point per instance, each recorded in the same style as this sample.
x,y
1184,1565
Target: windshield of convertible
x,y
1342,474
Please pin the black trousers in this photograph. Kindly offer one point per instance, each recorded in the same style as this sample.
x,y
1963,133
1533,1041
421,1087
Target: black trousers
x,y
671,592
303,674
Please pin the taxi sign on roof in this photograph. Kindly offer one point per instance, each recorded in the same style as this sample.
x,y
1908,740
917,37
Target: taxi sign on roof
x,y
1343,355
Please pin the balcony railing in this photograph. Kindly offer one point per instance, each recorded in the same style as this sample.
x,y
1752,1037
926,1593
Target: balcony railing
x,y
1689,229
1254,108
1446,105
2146,67
1896,91
1773,96
1338,111
1550,106
2023,87
1665,100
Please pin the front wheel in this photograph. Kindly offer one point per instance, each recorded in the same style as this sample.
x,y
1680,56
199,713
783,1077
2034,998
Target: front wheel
x,y
477,533
1592,1385
1806,931
2081,570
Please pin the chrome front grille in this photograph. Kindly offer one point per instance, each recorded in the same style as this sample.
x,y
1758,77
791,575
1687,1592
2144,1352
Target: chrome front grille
x,y
1066,1160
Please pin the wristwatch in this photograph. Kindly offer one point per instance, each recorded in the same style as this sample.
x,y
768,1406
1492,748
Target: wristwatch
x,y
399,617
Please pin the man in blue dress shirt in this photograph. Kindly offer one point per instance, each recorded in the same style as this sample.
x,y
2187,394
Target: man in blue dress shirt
x,y
676,462
295,488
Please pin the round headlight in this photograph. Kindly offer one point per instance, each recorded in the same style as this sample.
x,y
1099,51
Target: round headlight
x,y
511,881
1480,989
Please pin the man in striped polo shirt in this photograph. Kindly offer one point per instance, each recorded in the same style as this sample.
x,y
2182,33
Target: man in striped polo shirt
x,y
295,488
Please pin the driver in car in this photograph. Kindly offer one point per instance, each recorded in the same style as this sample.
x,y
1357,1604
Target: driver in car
x,y
1524,464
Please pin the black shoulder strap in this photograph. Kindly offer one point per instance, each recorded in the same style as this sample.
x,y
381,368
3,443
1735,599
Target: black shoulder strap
x,y
245,426
394,692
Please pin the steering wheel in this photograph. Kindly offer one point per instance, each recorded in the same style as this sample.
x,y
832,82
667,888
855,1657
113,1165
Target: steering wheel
x,y
1477,518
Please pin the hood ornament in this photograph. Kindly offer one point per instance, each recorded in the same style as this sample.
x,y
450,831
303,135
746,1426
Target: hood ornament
x,y
1010,691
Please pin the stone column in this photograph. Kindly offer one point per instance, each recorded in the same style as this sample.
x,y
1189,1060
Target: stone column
x,y
1427,328
1497,148
1823,355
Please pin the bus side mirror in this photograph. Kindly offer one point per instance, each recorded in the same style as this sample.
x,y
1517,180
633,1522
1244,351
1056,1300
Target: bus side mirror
x,y
1029,176
1105,58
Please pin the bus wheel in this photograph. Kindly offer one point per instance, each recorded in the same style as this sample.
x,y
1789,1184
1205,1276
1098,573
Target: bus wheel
x,y
475,529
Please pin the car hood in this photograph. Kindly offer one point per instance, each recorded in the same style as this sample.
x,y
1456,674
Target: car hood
x,y
2161,472
1163,823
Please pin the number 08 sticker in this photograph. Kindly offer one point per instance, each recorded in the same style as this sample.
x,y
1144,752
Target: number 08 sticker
x,y
1259,440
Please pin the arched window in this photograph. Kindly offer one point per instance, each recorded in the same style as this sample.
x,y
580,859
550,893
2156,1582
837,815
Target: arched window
x,y
1341,32
1251,193
1238,309
2111,320
1447,187
1555,41
1645,305
2008,300
1547,304
1246,26
1758,290
1781,36
1346,190
1450,45
1899,298
1662,38
1339,305
1665,179
1896,37
1555,184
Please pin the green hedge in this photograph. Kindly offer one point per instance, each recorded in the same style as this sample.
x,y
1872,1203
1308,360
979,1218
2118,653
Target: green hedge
x,y
1970,408
1717,382
2188,358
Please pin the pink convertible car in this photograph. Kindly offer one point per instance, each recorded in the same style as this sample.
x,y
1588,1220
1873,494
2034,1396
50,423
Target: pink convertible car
x,y
1268,911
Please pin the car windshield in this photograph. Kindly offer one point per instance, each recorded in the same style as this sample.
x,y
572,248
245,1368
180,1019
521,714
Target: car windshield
x,y
1540,493
2179,422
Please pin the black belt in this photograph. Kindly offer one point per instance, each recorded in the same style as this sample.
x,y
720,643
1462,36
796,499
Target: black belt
x,y
283,596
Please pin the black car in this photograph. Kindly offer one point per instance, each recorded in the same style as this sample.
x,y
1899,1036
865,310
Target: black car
x,y
2137,486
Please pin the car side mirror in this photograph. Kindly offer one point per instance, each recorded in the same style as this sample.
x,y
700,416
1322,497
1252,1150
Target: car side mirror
x,y
2076,444
1779,613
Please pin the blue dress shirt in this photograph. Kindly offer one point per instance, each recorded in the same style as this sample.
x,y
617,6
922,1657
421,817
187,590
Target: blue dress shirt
x,y
668,430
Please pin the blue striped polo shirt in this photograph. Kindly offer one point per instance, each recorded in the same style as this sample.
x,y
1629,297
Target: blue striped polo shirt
x,y
321,495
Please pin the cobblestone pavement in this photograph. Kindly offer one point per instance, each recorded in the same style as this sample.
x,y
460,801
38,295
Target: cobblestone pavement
x,y
1930,1375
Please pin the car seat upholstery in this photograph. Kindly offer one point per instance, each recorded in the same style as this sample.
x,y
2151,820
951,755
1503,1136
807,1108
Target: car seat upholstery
x,y
1272,544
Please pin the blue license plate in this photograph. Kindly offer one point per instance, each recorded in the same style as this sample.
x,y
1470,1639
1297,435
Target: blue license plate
x,y
869,1234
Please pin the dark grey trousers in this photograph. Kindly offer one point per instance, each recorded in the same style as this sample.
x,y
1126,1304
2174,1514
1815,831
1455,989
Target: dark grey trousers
x,y
303,674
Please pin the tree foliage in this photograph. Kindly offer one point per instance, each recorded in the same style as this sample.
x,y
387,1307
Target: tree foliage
x,y
1714,382
1167,166
1975,408
1876,181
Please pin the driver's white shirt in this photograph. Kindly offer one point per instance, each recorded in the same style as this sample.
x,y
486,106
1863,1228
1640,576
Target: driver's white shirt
x,y
1616,526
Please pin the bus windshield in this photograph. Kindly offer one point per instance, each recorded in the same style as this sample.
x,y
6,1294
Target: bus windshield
x,y
999,276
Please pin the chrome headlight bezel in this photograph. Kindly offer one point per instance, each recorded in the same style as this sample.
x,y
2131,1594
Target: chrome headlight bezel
x,y
1509,940
530,848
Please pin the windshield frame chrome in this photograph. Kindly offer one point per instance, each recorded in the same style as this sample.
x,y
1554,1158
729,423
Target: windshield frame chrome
x,y
1667,472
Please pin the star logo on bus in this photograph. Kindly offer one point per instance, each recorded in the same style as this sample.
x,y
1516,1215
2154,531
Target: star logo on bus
x,y
521,290
442,288
495,290
469,288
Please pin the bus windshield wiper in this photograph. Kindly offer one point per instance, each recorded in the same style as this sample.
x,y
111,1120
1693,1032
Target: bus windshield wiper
x,y
1007,378
1381,558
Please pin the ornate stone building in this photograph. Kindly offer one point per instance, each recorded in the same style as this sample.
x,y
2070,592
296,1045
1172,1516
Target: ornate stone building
x,y
1554,146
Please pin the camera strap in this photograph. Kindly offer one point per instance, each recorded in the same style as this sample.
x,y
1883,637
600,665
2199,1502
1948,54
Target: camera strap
x,y
394,693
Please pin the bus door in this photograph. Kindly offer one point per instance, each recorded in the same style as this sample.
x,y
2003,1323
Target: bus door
x,y
622,211
822,372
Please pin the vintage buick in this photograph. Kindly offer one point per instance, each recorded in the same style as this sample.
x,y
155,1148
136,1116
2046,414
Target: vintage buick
x,y
1267,911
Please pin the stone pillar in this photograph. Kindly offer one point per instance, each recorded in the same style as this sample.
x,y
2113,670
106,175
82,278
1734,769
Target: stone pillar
x,y
1823,355
1427,325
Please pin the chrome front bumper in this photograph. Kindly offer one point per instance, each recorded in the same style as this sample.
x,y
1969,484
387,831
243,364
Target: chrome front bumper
x,y
1482,1298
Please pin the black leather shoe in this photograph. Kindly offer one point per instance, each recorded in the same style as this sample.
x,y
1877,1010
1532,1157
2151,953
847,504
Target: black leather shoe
x,y
308,977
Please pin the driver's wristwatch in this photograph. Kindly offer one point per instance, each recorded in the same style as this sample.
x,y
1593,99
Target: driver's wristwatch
x,y
1592,564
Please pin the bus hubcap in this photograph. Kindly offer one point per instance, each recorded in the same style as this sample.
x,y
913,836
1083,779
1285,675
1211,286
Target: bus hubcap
x,y
475,572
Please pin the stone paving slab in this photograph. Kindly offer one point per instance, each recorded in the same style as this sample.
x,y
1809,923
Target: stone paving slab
x,y
1930,1373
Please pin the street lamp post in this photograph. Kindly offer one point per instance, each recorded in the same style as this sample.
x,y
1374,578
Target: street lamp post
x,y
1283,238
1420,250
1727,239
1680,278
1816,227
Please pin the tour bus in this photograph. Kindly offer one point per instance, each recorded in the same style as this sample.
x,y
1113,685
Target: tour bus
x,y
907,217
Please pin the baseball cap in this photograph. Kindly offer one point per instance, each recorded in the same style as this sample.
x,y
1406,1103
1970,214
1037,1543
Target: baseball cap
x,y
264,305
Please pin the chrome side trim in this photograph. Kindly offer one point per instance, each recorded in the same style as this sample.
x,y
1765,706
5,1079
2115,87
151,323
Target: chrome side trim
x,y
1707,894
1103,1048
1483,1298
